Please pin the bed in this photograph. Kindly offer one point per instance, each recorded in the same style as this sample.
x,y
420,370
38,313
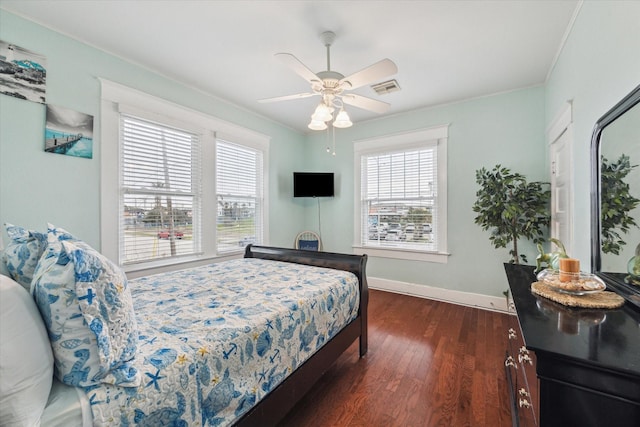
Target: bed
x,y
226,373
281,400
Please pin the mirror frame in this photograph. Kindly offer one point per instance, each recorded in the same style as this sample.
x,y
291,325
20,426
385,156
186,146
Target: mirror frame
x,y
614,280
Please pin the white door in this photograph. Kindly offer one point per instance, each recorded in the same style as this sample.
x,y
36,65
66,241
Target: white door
x,y
562,189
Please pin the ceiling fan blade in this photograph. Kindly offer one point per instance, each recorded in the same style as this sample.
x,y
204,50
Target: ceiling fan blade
x,y
365,103
288,97
372,73
297,66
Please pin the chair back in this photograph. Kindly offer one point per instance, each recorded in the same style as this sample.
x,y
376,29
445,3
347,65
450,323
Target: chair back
x,y
308,241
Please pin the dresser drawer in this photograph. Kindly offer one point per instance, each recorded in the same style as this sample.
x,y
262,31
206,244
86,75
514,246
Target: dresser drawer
x,y
587,362
522,382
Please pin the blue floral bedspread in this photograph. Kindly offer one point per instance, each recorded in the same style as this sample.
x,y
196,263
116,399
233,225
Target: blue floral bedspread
x,y
215,340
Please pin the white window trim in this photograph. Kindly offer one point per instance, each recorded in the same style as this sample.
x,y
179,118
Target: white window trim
x,y
116,98
405,140
563,123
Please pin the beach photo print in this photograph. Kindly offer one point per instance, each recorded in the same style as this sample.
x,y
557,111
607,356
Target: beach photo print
x,y
23,73
68,132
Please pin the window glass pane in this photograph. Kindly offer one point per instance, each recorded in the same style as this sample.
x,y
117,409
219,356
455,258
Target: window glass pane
x,y
399,199
156,157
239,196
157,227
160,201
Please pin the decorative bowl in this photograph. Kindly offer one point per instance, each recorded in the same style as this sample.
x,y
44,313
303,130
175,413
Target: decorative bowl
x,y
582,284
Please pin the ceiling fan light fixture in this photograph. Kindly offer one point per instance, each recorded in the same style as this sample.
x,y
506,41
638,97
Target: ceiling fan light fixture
x,y
317,125
342,120
332,87
322,113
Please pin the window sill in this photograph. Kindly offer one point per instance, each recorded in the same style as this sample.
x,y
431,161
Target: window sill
x,y
406,254
164,265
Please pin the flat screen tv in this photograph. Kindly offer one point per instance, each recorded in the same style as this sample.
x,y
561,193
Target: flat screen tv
x,y
313,184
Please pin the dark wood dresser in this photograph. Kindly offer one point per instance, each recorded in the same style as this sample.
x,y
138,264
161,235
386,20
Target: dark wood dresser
x,y
587,362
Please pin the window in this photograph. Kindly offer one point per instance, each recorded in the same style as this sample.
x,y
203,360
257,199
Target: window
x,y
166,173
239,195
401,188
160,204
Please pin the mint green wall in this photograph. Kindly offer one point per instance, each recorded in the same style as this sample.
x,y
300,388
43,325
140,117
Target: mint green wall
x,y
598,66
507,129
38,187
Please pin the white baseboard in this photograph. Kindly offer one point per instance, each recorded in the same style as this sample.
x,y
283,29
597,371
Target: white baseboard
x,y
468,299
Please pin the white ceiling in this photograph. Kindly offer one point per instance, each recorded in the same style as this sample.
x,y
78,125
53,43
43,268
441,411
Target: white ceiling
x,y
445,51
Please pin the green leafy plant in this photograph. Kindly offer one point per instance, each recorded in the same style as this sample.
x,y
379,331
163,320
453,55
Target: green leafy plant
x,y
616,203
550,259
511,208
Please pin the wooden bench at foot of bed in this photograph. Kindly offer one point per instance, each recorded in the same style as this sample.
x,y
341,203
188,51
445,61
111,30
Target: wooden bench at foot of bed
x,y
270,410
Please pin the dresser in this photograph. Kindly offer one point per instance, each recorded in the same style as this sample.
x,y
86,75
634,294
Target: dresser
x,y
567,366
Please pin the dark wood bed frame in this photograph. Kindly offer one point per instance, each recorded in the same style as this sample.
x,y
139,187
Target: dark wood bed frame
x,y
275,405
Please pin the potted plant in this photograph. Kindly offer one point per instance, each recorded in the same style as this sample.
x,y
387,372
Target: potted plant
x,y
511,208
616,204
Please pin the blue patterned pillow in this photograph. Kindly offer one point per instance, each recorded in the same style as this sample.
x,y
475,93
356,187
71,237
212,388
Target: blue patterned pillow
x,y
86,305
23,252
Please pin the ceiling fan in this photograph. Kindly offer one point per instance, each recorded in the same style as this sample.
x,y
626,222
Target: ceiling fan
x,y
332,87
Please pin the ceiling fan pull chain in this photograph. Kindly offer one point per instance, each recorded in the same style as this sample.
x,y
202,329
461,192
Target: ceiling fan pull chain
x,y
334,140
328,147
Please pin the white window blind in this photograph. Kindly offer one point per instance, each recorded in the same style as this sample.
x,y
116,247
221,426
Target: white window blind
x,y
399,197
160,191
239,188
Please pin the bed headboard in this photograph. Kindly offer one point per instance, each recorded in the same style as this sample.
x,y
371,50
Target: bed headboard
x,y
356,264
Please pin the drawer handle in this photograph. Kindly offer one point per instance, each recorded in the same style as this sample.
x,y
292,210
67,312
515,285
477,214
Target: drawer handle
x,y
524,403
509,361
512,334
525,358
524,393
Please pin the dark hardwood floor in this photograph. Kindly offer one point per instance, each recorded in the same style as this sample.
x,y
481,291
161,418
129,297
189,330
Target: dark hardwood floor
x,y
429,364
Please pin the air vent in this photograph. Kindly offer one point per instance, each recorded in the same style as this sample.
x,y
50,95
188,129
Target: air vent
x,y
386,87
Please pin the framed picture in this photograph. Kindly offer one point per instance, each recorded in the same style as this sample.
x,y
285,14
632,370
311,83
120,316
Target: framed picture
x,y
23,74
68,132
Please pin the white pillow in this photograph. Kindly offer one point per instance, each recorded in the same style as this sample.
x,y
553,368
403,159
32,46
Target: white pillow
x,y
26,360
3,265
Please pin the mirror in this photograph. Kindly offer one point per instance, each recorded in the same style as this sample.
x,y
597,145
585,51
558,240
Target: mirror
x,y
615,194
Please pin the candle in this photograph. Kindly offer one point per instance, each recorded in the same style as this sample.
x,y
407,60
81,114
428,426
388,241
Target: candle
x,y
569,269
